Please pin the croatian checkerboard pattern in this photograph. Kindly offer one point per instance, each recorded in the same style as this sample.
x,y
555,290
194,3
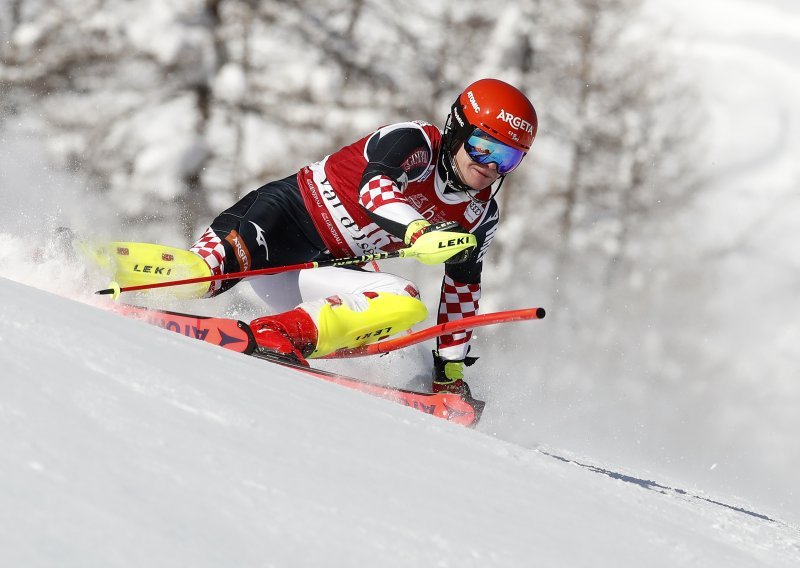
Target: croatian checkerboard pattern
x,y
457,301
380,190
211,250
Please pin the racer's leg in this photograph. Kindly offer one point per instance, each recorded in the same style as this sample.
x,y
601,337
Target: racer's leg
x,y
268,227
350,308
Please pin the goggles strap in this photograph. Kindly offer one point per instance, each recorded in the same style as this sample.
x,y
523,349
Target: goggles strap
x,y
449,174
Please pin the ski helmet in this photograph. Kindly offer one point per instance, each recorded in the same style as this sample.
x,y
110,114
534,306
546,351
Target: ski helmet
x,y
493,111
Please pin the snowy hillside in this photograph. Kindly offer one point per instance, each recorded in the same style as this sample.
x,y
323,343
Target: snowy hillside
x,y
125,445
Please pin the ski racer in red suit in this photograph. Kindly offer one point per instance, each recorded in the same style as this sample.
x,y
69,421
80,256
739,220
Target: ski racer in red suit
x,y
406,184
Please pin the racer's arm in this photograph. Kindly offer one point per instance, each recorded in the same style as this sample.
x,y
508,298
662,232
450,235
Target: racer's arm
x,y
396,155
461,289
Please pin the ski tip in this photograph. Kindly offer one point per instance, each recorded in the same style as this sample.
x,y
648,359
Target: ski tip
x,y
540,313
478,406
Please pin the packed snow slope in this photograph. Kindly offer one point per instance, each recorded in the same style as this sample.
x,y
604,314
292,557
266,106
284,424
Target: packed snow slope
x,y
126,445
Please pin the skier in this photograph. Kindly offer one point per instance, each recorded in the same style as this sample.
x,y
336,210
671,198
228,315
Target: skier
x,y
406,184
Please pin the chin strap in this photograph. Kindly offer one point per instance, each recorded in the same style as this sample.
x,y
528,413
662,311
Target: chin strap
x,y
481,202
445,169
449,187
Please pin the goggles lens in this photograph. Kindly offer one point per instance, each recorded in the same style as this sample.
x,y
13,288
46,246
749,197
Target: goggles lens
x,y
483,149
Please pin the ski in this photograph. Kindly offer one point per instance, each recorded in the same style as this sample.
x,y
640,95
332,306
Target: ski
x,y
224,332
237,336
451,407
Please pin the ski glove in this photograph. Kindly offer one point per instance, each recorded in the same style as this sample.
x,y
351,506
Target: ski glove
x,y
450,371
444,242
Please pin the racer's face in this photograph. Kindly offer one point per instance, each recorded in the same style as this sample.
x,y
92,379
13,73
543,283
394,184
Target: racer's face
x,y
475,175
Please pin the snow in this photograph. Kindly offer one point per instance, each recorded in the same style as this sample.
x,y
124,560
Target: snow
x,y
743,229
126,445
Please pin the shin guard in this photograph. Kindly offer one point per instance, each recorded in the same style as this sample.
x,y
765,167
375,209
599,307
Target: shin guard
x,y
358,319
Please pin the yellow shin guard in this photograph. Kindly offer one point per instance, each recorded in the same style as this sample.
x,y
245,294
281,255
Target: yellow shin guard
x,y
131,264
340,327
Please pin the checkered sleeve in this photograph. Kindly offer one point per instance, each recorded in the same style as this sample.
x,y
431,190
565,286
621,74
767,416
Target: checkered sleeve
x,y
396,155
210,248
457,301
383,199
379,191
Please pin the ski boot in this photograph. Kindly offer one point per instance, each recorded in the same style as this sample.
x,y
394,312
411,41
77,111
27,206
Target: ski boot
x,y
448,376
320,327
289,337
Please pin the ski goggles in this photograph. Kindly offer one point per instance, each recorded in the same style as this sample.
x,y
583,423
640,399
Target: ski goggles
x,y
483,149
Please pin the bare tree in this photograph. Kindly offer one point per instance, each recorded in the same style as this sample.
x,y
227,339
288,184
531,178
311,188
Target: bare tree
x,y
615,139
223,79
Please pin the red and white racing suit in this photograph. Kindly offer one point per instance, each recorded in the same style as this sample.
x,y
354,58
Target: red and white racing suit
x,y
358,200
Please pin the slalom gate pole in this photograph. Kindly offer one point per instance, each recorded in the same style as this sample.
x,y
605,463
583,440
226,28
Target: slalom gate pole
x,y
463,324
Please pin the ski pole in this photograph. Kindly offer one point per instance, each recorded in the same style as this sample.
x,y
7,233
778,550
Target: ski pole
x,y
435,248
115,289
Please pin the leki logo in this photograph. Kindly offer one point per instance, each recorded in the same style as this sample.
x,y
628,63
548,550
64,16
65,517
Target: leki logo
x,y
376,333
515,121
152,269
